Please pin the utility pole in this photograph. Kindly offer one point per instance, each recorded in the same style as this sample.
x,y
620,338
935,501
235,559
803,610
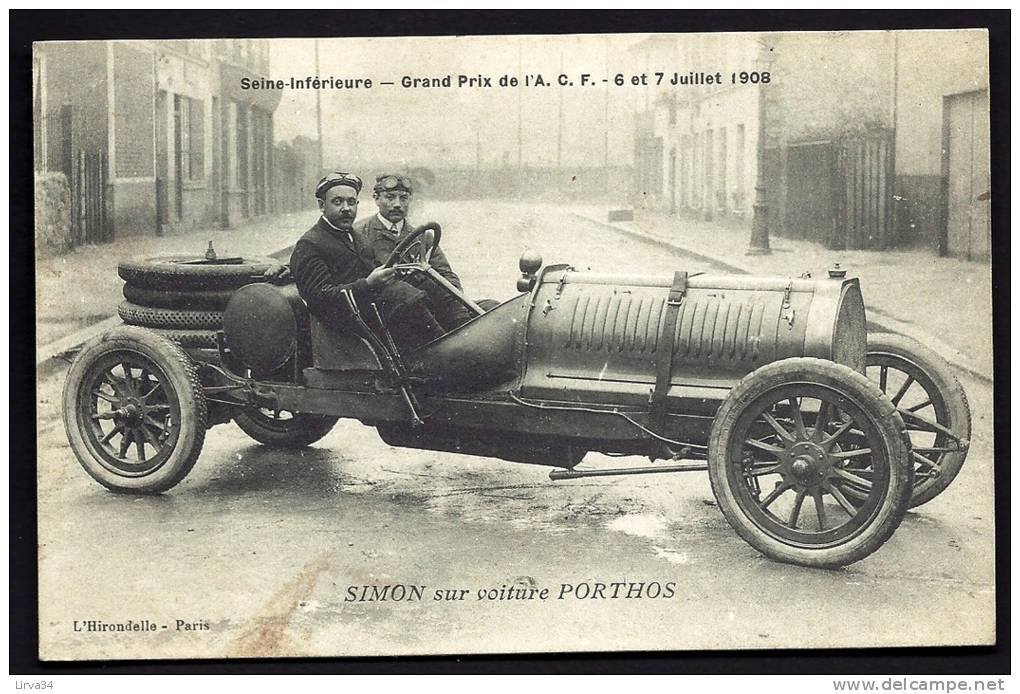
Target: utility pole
x,y
478,146
759,220
520,114
318,110
891,216
605,118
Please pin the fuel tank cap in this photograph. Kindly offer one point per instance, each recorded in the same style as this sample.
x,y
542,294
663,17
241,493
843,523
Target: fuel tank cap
x,y
836,272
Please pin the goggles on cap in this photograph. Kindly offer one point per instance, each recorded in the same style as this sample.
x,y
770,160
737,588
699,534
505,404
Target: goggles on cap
x,y
337,178
392,182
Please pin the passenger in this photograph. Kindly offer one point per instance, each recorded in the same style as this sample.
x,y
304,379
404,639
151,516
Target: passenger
x,y
331,257
393,195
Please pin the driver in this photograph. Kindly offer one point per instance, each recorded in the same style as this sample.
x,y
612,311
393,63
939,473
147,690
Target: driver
x,y
332,257
393,195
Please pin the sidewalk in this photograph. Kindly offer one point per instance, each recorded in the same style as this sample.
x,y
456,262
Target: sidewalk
x,y
945,303
81,288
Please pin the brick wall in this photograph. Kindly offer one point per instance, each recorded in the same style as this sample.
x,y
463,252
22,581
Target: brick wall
x,y
133,120
76,75
931,65
830,84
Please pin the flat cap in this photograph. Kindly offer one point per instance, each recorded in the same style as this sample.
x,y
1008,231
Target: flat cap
x,y
387,182
336,178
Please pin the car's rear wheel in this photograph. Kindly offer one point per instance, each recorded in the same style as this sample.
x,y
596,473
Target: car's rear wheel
x,y
134,411
809,463
933,406
282,429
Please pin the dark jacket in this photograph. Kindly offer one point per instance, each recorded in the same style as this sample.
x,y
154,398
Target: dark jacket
x,y
382,242
324,263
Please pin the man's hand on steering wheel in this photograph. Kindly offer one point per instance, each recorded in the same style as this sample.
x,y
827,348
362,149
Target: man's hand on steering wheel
x,y
427,245
429,234
381,276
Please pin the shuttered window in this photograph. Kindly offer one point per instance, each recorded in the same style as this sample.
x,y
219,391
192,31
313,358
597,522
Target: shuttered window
x,y
192,139
196,139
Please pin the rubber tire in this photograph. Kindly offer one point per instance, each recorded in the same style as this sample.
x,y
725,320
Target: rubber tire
x,y
867,396
303,430
182,378
169,272
148,317
188,339
194,300
955,398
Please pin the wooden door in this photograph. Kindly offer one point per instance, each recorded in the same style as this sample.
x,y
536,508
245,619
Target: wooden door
x,y
178,158
865,168
968,229
672,181
162,163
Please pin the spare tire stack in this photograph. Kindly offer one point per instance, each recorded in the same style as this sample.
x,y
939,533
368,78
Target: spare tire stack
x,y
183,297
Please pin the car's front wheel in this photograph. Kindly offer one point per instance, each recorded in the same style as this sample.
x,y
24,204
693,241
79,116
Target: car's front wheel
x,y
809,463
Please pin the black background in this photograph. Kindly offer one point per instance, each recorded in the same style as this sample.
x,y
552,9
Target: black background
x,y
27,26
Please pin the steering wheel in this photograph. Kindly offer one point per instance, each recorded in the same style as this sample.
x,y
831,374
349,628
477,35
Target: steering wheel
x,y
411,239
422,265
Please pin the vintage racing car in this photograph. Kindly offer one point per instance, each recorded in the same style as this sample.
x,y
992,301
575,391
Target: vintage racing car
x,y
816,437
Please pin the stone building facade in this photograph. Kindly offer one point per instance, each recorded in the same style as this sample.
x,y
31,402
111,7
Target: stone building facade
x,y
174,140
872,139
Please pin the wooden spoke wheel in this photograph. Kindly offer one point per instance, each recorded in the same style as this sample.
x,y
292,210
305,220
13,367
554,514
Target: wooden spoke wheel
x,y
283,429
808,462
134,411
933,406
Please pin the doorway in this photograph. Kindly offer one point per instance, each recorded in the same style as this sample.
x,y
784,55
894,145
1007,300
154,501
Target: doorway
x,y
162,165
672,181
178,158
965,175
